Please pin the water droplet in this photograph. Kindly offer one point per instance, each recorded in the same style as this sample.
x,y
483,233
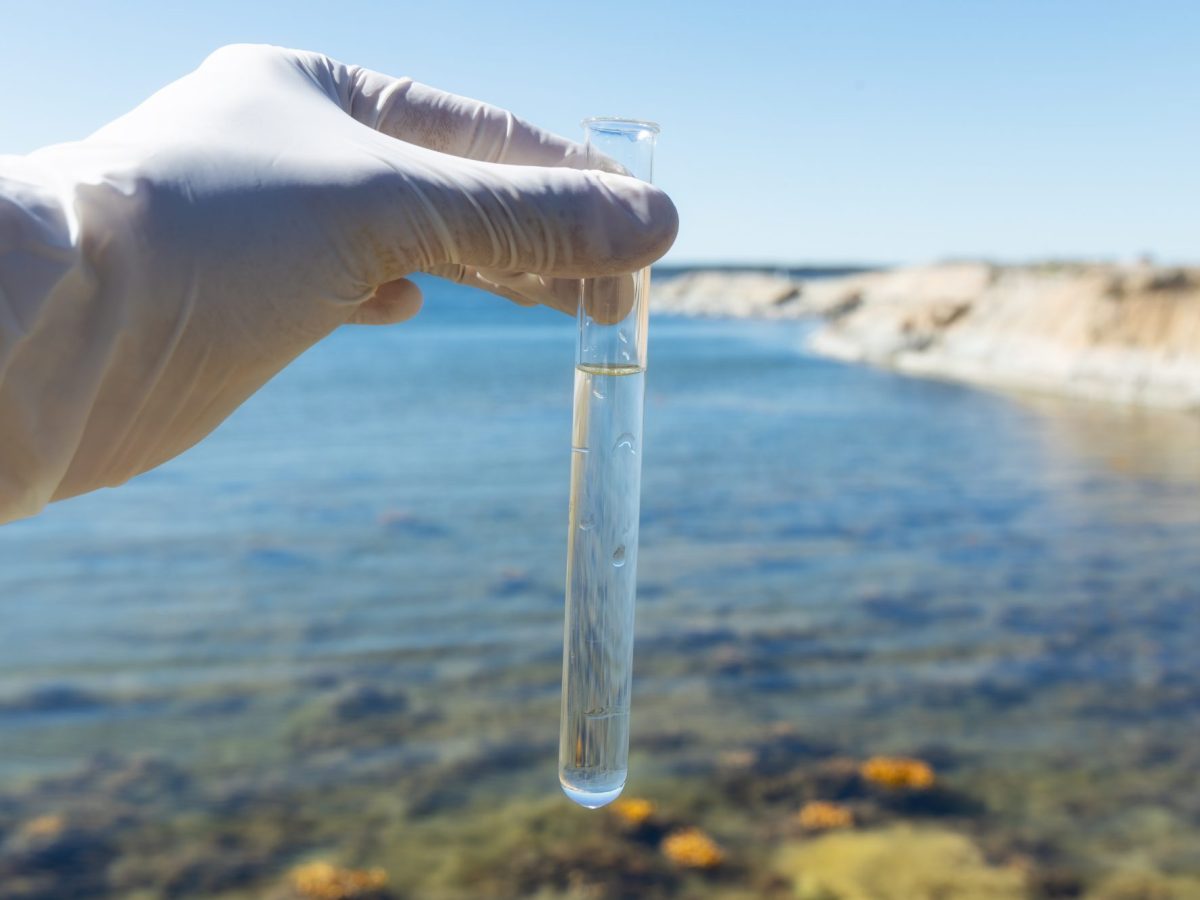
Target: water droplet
x,y
626,442
622,336
619,556
587,523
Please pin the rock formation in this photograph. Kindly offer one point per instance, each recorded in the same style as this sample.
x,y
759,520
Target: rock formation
x,y
1129,334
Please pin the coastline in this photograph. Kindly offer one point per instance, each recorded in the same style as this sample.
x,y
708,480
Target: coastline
x,y
1122,334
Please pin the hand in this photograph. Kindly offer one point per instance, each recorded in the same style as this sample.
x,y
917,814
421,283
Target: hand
x,y
245,211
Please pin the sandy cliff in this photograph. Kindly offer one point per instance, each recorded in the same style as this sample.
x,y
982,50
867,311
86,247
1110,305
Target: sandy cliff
x,y
718,293
1128,334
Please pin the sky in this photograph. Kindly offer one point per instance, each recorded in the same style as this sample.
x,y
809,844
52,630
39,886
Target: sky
x,y
793,132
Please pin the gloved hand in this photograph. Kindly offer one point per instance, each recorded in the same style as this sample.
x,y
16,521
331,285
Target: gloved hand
x,y
156,274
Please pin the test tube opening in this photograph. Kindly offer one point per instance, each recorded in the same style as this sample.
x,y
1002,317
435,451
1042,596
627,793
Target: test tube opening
x,y
613,311
620,125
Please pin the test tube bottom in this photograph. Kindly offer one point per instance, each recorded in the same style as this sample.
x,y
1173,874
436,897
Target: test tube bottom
x,y
592,797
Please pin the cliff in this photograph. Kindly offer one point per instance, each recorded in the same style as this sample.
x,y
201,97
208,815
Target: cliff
x,y
1129,334
717,293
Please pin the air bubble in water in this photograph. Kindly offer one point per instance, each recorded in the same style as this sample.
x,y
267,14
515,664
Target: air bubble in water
x,y
626,442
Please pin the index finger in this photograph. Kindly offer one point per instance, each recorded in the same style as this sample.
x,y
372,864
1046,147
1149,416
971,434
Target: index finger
x,y
449,123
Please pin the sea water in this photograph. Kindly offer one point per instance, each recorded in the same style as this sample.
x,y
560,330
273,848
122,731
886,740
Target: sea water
x,y
602,546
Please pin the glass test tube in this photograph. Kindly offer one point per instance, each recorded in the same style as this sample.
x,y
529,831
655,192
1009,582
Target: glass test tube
x,y
606,477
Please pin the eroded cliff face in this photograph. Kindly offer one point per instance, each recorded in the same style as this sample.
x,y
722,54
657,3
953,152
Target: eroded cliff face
x,y
715,293
1129,334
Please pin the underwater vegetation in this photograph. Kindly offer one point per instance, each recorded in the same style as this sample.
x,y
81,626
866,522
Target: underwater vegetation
x,y
821,815
898,772
776,814
633,811
320,880
691,848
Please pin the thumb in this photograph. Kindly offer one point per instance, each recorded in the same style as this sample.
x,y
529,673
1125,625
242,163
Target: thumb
x,y
553,221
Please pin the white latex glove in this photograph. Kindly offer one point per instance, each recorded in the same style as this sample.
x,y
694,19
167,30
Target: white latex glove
x,y
156,274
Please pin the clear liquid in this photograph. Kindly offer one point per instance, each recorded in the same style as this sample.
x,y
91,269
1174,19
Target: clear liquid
x,y
602,544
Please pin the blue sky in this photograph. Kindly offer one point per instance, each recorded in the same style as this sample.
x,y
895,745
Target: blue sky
x,y
792,131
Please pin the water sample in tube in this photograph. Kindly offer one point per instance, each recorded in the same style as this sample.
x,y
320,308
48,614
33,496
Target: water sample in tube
x,y
606,480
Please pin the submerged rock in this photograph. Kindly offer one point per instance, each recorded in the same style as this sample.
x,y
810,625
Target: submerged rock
x,y
355,715
1138,885
52,698
898,863
51,857
356,701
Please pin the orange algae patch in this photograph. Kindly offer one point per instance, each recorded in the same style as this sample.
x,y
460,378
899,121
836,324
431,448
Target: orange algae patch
x,y
898,772
821,815
693,849
633,810
325,881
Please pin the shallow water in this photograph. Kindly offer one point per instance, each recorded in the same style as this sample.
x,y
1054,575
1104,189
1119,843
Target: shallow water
x,y
360,577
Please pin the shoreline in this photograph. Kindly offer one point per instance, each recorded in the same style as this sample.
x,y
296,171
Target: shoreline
x,y
1119,334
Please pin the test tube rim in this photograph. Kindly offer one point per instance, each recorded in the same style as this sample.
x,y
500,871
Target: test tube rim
x,y
620,124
